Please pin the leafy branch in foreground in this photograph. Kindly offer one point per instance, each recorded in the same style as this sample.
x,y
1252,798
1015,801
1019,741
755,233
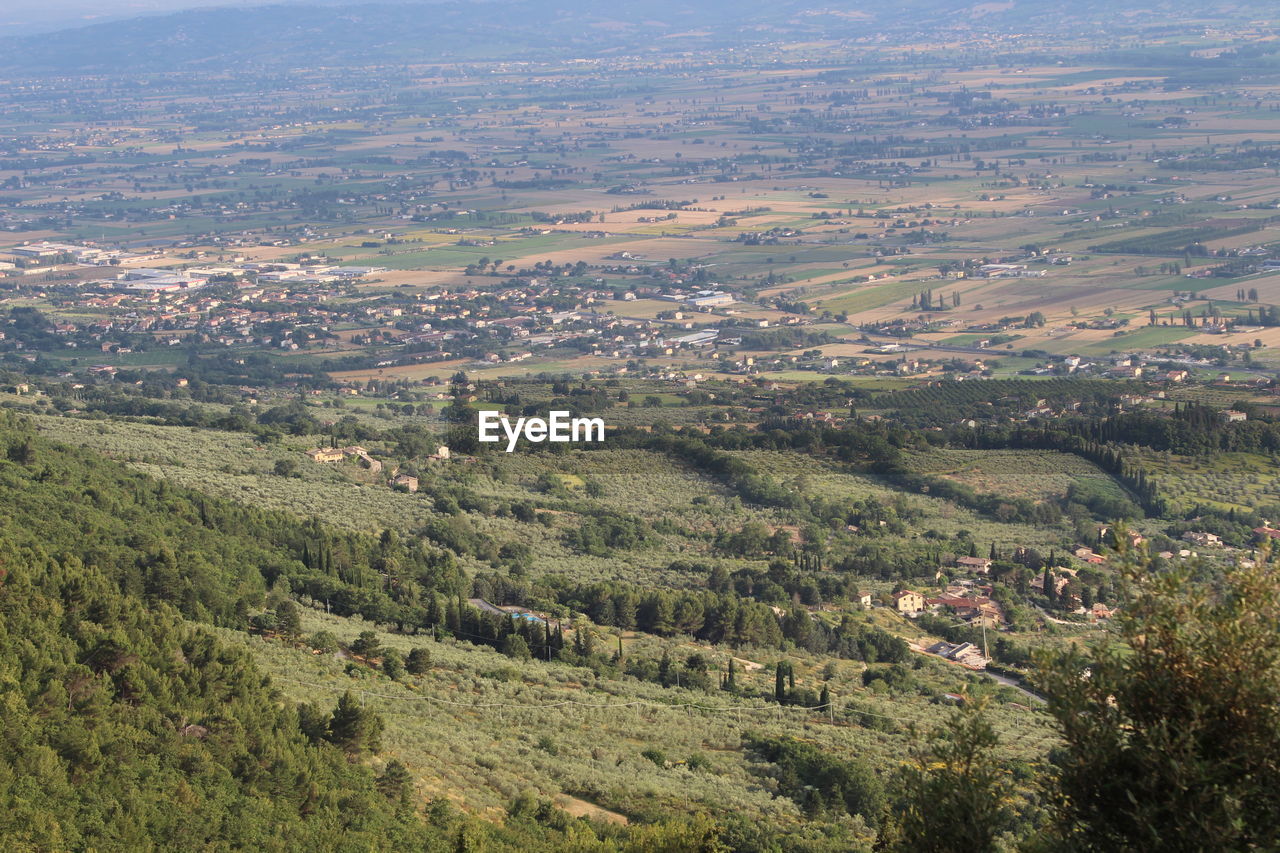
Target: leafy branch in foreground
x,y
957,783
1172,737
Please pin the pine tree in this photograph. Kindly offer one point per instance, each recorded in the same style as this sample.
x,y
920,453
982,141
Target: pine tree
x,y
288,619
418,662
392,664
514,646
351,727
1126,778
366,645
395,783
435,615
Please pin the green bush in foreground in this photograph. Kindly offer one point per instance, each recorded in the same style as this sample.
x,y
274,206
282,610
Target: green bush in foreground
x,y
1172,738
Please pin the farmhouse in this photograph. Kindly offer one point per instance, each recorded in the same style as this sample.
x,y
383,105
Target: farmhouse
x,y
1059,582
1133,537
1088,555
972,608
337,454
908,603
485,607
362,456
981,565
406,482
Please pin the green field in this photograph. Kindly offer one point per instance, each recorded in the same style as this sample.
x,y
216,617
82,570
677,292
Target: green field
x,y
1033,474
1239,481
1144,338
865,297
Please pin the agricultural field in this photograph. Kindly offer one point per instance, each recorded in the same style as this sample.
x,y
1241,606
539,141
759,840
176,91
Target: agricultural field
x,y
1033,474
1146,338
684,510
232,465
938,516
565,732
1226,481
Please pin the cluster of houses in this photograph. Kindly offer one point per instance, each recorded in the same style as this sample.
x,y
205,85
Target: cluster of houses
x,y
327,455
306,303
968,603
970,600
400,480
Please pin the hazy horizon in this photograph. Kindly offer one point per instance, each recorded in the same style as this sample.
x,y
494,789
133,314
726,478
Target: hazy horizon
x,y
59,14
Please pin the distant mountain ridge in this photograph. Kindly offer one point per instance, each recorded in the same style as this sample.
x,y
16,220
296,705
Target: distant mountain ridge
x,y
280,36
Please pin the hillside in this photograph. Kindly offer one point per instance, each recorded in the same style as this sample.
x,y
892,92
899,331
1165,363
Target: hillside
x,y
127,728
107,556
281,36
